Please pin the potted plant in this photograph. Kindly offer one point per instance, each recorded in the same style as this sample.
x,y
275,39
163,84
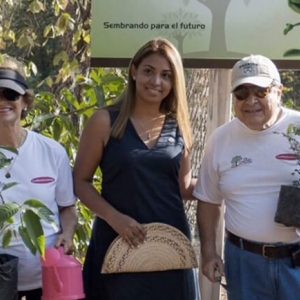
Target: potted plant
x,y
18,220
288,207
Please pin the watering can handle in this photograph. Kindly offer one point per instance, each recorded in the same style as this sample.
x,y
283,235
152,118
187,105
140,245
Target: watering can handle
x,y
58,285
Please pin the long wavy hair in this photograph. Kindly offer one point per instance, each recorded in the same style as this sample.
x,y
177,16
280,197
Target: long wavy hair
x,y
174,105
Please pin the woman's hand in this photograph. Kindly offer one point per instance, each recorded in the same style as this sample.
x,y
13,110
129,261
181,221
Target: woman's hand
x,y
130,230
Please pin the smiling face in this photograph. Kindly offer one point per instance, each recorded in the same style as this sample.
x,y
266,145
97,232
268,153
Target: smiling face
x,y
153,79
10,111
258,113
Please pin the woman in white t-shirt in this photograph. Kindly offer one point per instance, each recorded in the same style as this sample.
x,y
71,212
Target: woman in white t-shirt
x,y
42,170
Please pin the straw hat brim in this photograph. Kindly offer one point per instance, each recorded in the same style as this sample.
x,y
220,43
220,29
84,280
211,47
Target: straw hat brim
x,y
165,248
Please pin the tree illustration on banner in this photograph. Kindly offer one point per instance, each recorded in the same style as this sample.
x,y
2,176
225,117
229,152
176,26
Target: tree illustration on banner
x,y
179,21
218,38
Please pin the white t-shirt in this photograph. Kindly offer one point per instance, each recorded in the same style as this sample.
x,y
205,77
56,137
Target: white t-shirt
x,y
246,168
42,171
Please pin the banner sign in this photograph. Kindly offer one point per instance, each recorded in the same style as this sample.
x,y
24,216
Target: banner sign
x,y
208,33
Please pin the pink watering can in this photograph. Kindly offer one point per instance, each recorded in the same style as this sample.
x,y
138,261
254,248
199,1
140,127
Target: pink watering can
x,y
61,276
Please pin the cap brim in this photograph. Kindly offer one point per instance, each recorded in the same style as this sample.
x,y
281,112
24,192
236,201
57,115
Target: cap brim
x,y
259,81
10,84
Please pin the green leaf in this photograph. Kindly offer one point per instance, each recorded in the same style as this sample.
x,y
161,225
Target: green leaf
x,y
34,229
9,185
11,149
36,7
62,23
45,214
6,223
36,122
26,239
7,210
292,52
100,96
288,28
36,203
57,128
294,5
6,239
41,210
23,42
4,161
62,56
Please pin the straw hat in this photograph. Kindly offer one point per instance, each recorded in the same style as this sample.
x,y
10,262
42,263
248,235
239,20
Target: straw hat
x,y
165,248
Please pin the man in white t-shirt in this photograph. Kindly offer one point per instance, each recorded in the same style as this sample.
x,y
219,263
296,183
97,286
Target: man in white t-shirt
x,y
245,164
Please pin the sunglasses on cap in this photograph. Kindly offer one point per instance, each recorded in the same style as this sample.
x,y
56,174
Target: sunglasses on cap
x,y
10,94
242,92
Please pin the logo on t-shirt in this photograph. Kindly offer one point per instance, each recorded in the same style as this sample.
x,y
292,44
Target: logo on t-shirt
x,y
287,156
239,160
42,180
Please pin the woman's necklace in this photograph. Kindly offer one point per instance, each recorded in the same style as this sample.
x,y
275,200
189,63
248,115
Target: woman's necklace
x,y
149,131
8,170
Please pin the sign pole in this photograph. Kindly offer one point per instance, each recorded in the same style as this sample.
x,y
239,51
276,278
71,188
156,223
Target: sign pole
x,y
219,112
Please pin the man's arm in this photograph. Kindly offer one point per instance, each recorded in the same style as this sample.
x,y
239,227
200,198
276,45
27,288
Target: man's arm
x,y
208,218
68,223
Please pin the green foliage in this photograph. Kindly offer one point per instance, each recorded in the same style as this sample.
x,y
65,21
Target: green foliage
x,y
292,132
25,217
294,5
63,117
291,91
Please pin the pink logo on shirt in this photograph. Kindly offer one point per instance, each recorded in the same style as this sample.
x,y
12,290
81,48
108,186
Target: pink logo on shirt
x,y
287,156
42,180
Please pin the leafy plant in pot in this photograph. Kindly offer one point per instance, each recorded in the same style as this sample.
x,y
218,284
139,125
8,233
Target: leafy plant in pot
x,y
288,207
19,221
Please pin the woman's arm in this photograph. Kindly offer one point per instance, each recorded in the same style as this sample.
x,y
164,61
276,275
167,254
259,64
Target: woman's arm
x,y
68,223
91,147
186,182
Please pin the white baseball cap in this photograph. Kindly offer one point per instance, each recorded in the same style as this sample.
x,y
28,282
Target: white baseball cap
x,y
254,69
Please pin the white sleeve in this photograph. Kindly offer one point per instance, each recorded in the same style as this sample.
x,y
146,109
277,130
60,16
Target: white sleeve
x,y
207,186
64,193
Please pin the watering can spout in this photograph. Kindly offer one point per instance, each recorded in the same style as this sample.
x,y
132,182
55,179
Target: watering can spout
x,y
61,276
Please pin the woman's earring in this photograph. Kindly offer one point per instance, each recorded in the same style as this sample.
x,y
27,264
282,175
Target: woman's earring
x,y
133,77
25,109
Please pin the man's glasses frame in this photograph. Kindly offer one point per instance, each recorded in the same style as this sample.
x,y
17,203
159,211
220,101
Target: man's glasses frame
x,y
242,92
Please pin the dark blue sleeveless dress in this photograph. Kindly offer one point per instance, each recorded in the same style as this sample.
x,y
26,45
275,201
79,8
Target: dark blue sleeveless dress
x,y
142,183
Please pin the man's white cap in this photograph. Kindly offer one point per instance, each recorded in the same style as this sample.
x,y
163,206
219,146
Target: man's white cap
x,y
254,69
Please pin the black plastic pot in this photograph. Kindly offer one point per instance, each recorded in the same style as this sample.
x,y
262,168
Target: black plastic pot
x,y
288,207
8,277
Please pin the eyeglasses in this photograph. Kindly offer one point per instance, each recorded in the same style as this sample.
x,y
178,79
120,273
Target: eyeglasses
x,y
242,92
10,95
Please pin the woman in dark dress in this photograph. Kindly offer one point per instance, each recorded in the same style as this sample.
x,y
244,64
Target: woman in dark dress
x,y
142,145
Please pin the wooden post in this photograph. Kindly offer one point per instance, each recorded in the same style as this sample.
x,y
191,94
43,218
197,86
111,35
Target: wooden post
x,y
219,112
